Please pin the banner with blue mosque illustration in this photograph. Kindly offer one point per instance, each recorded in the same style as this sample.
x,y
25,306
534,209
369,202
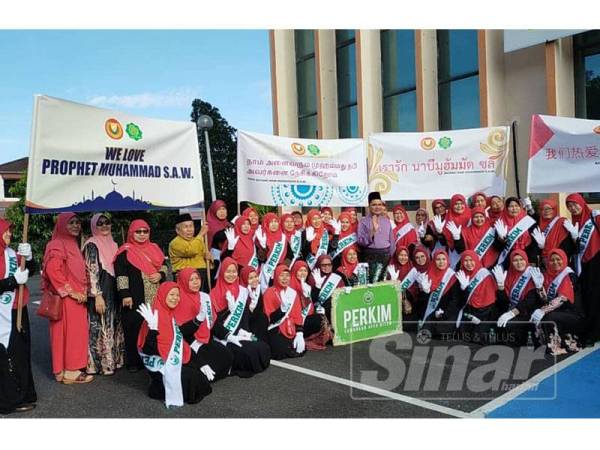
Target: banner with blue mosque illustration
x,y
85,158
282,171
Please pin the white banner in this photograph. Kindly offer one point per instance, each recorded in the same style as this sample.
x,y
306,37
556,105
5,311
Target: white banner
x,y
436,164
85,158
564,155
283,171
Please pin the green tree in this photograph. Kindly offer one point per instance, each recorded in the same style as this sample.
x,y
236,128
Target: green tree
x,y
223,145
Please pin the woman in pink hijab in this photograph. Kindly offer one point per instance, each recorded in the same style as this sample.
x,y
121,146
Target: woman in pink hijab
x,y
106,332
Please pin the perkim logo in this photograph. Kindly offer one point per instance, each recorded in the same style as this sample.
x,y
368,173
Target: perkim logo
x,y
368,297
428,143
313,149
445,142
113,129
133,131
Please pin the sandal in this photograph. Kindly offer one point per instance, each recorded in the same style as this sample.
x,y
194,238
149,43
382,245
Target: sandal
x,y
59,377
81,379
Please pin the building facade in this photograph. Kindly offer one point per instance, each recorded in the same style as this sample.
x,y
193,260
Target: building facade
x,y
10,173
349,83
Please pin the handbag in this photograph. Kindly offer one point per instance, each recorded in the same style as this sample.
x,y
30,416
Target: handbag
x,y
50,306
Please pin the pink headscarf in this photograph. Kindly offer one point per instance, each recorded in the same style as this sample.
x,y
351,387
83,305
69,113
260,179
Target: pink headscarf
x,y
107,247
214,223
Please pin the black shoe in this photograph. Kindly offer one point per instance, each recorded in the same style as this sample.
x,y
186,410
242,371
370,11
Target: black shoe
x,y
25,407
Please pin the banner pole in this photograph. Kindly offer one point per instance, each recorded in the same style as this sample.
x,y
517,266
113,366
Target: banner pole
x,y
22,266
513,131
205,239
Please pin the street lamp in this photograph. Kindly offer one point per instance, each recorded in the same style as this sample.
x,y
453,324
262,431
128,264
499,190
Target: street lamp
x,y
206,123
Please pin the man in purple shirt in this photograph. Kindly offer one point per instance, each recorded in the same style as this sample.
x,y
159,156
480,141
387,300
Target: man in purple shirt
x,y
375,238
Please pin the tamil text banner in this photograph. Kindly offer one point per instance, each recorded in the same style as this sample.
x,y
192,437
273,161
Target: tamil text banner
x,y
564,155
85,158
426,166
281,171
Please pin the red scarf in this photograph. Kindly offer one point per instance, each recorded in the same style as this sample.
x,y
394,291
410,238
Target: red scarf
x,y
437,203
4,227
214,223
494,215
272,236
421,249
295,283
473,234
510,223
147,257
558,233
288,234
594,246
485,293
189,305
314,245
566,286
353,225
65,246
328,227
244,249
246,215
218,294
409,238
165,324
513,276
458,219
436,275
272,302
479,194
347,268
350,230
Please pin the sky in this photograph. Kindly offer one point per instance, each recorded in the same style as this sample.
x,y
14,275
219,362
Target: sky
x,y
152,73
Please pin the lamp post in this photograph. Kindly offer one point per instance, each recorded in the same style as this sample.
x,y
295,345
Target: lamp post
x,y
206,123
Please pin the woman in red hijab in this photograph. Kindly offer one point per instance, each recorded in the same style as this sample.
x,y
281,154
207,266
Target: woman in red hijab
x,y
249,278
347,238
479,297
317,331
16,385
64,275
514,229
348,268
353,217
561,315
553,232
434,239
496,208
272,248
479,236
404,231
402,270
140,268
316,239
293,237
457,218
232,304
253,217
240,244
518,296
197,319
175,377
441,295
585,224
479,200
284,310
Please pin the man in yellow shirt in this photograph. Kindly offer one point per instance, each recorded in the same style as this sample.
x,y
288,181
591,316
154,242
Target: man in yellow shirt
x,y
187,250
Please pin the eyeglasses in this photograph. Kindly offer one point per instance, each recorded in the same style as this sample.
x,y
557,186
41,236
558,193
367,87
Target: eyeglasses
x,y
142,231
103,222
326,265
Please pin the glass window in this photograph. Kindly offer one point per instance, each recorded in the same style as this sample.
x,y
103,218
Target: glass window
x,y
587,83
305,43
307,87
7,185
346,82
306,79
307,127
458,79
398,80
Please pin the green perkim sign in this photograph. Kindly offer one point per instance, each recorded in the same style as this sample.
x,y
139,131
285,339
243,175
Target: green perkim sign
x,y
366,312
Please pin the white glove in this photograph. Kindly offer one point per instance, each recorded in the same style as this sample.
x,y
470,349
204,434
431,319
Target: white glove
x,y
231,339
316,273
231,238
463,279
244,335
337,226
208,372
202,313
537,316
439,313
306,289
230,301
539,237
394,274
24,250
348,289
151,317
572,229
21,275
299,344
500,275
475,320
421,231
310,234
253,299
501,229
454,230
527,203
504,318
320,310
261,236
537,277
424,283
438,223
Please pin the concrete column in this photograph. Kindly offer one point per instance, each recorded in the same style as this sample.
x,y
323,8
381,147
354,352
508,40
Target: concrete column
x,y
284,90
491,78
327,101
369,89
